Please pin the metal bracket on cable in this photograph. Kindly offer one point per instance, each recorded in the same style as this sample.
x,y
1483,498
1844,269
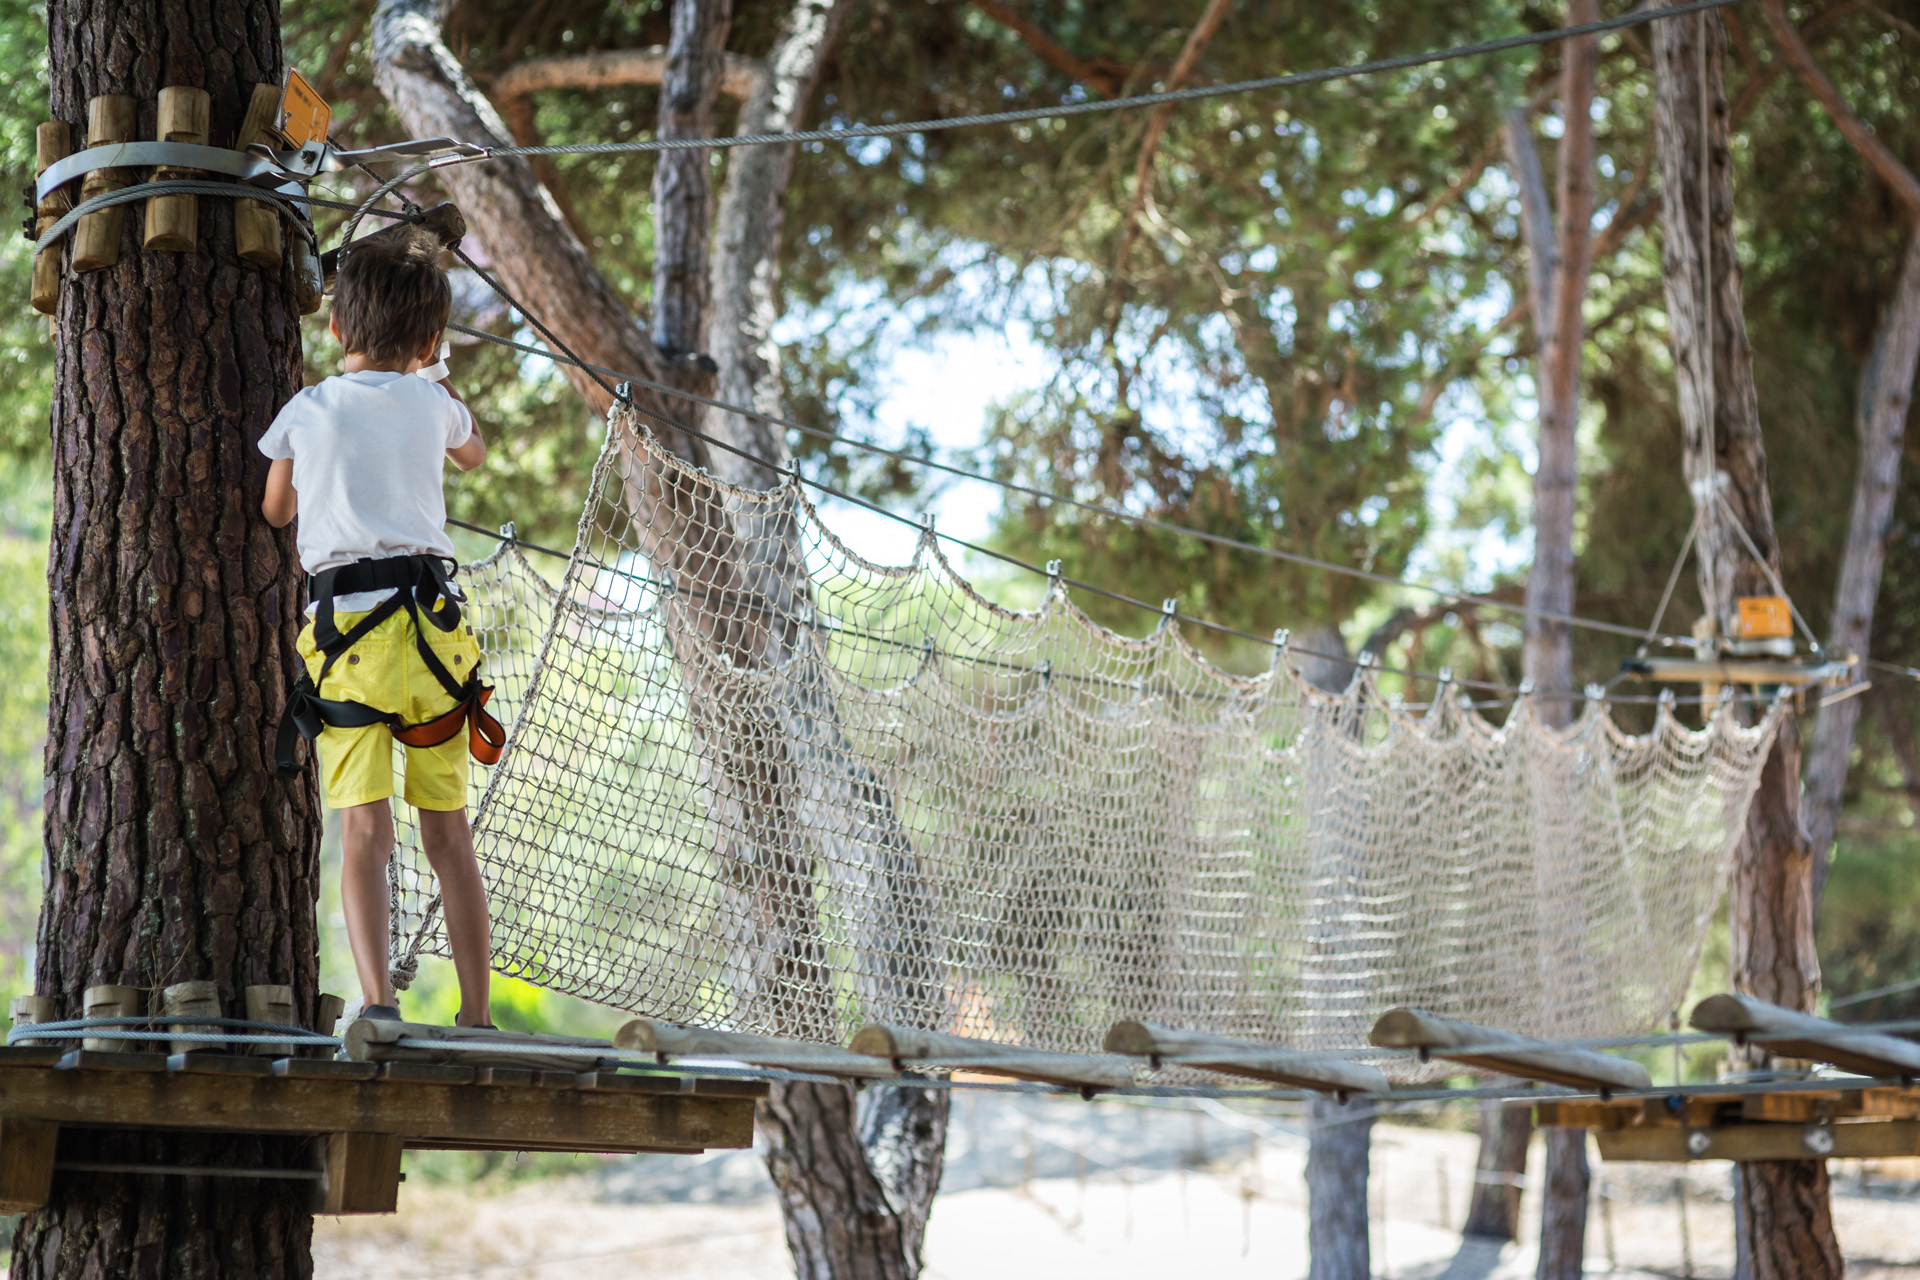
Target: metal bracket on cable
x,y
260,165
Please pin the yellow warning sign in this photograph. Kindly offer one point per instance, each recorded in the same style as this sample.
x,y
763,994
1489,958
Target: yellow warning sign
x,y
304,114
1765,617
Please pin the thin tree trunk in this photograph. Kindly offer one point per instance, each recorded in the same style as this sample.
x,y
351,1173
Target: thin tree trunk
x,y
1338,1142
746,240
1886,397
172,850
1785,1206
1338,1138
1493,1212
1548,656
682,193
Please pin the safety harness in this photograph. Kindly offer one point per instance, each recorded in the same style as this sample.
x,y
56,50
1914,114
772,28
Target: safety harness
x,y
420,585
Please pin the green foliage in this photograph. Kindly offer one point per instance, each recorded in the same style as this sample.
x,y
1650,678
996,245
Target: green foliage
x,y
26,507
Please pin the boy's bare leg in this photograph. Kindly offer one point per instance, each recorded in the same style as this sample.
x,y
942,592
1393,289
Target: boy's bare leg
x,y
366,842
448,842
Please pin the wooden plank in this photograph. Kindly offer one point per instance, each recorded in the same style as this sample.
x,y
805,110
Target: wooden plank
x,y
324,1069
112,1060
1160,1043
26,1163
902,1045
504,1075
425,1073
1859,1140
1795,1108
362,1173
1805,1036
1583,1115
1527,1058
31,1055
671,1040
219,1064
579,1119
371,1040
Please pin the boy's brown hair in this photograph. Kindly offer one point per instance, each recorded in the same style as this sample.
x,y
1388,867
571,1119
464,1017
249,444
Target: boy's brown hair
x,y
391,298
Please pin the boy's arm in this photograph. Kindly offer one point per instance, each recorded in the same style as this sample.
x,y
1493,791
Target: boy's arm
x,y
473,451
281,503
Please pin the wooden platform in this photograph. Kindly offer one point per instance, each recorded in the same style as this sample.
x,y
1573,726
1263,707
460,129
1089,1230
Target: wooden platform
x,y
1812,1124
367,1112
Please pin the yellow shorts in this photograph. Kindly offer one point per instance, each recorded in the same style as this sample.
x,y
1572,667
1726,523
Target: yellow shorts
x,y
384,670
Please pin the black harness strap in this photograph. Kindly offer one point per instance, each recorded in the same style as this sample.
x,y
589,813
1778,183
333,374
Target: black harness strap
x,y
420,585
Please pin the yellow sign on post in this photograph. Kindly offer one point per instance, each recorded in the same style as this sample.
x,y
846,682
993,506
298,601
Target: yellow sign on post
x,y
1765,618
304,115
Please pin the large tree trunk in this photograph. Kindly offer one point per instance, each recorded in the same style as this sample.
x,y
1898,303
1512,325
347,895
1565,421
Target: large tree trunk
x,y
1788,1217
1560,259
173,852
1880,418
856,1196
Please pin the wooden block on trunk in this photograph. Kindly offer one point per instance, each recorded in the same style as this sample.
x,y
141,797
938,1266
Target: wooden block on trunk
x,y
51,144
199,999
1506,1052
268,1003
112,1000
96,240
904,1045
326,1014
363,1173
26,1163
1321,1072
256,236
173,222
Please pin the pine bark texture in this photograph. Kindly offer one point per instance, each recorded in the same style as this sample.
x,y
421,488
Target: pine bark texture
x,y
172,850
1785,1205
682,193
1339,1140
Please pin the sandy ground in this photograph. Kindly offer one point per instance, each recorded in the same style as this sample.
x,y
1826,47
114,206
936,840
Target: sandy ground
x,y
1049,1188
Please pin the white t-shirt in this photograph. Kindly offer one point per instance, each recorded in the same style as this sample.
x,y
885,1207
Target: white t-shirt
x,y
368,450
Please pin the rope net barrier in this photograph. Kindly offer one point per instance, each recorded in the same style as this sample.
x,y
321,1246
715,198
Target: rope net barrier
x,y
758,783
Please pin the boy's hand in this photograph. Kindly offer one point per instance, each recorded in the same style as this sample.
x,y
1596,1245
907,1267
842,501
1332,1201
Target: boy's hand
x,y
281,503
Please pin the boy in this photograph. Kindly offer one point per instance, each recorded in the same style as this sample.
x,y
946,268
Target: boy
x,y
359,457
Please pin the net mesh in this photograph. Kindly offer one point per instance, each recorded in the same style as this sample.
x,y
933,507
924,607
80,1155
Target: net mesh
x,y
756,782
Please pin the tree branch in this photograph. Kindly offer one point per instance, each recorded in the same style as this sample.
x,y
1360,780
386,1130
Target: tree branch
x,y
615,69
1763,79
1105,74
1197,41
1851,126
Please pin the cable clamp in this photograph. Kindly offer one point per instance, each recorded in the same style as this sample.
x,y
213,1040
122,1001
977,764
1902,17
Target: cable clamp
x,y
508,533
624,393
1053,570
1281,636
1170,607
